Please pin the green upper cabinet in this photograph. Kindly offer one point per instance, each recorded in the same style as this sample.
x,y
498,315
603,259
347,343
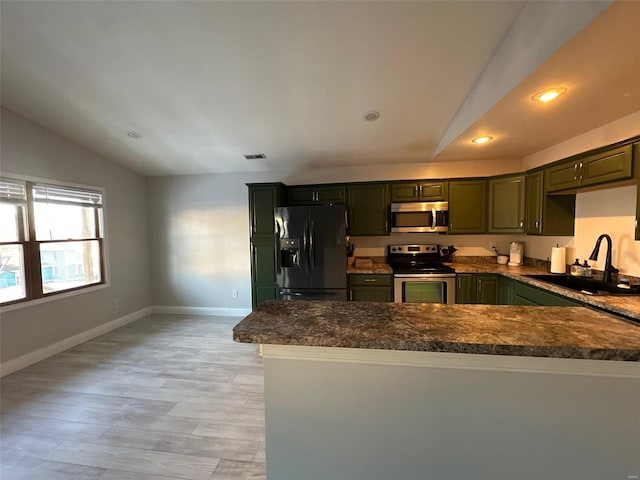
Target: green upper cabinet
x,y
636,160
548,214
468,206
609,166
263,198
368,205
507,204
564,176
316,195
418,191
533,203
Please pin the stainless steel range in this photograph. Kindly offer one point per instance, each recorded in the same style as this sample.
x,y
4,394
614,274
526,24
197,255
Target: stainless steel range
x,y
419,276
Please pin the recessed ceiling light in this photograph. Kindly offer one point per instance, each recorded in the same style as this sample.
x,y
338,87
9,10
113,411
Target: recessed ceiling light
x,y
372,115
548,95
481,140
133,134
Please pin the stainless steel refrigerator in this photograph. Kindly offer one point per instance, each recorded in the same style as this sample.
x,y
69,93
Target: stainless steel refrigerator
x,y
311,256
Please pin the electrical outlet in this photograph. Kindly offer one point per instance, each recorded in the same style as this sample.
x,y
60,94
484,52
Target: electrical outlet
x,y
234,293
116,304
492,245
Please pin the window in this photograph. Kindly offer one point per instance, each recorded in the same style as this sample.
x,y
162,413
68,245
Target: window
x,y
13,200
50,239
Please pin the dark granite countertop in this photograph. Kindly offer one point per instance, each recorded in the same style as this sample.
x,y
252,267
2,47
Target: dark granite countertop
x,y
627,306
371,265
558,332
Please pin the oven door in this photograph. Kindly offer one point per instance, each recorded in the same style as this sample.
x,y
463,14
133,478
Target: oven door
x,y
424,288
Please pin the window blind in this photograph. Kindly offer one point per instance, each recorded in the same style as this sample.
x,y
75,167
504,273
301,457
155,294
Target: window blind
x,y
66,195
12,190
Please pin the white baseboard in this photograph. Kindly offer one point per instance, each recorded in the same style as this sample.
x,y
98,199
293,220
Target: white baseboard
x,y
211,311
30,358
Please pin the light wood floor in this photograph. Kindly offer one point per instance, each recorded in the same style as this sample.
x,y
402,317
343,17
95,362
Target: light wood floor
x,y
165,397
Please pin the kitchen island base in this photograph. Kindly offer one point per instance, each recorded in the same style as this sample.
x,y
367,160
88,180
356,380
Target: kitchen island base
x,y
362,414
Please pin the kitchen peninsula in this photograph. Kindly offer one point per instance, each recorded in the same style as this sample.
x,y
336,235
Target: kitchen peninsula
x,y
357,390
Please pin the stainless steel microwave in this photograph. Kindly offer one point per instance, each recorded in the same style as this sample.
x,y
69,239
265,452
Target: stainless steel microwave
x,y
420,217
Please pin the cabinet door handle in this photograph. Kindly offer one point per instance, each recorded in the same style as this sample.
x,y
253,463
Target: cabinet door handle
x,y
537,223
415,191
420,190
370,280
521,223
581,170
350,294
575,171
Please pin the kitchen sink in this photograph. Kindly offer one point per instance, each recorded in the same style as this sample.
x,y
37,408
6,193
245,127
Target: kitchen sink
x,y
588,286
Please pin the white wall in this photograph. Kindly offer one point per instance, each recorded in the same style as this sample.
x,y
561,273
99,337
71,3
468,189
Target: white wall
x,y
32,150
199,228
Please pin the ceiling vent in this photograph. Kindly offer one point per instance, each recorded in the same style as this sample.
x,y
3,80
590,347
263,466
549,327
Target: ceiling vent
x,y
255,156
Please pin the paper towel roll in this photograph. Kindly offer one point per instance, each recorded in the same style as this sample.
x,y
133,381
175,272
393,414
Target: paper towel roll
x,y
558,260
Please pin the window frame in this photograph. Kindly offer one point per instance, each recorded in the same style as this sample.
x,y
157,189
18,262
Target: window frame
x,y
31,246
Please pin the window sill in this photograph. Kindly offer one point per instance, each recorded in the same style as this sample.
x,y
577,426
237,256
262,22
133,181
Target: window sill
x,y
52,298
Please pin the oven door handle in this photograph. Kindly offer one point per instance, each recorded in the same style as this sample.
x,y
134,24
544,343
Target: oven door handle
x,y
433,218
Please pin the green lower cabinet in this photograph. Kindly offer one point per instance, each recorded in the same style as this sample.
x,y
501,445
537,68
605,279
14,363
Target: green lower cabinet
x,y
487,289
474,288
262,293
466,288
263,269
505,289
524,294
370,288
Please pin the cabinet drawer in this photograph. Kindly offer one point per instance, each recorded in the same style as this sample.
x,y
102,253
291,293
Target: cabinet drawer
x,y
370,280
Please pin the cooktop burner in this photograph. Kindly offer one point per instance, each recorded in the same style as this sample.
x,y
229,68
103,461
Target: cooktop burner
x,y
422,269
417,259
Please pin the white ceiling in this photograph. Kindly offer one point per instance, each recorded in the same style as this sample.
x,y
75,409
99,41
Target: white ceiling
x,y
206,82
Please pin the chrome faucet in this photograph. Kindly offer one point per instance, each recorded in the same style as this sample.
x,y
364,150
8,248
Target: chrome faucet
x,y
608,268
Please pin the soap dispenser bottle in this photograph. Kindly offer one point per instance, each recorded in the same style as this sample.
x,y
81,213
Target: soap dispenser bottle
x,y
586,269
576,268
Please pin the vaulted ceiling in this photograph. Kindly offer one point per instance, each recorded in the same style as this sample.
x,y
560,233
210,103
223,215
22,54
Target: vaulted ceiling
x,y
204,83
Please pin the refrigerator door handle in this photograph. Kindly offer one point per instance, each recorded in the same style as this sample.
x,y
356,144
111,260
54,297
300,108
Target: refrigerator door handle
x,y
305,245
312,253
278,262
277,225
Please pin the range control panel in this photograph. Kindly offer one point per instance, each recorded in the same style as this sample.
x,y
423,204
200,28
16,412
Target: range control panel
x,y
414,249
